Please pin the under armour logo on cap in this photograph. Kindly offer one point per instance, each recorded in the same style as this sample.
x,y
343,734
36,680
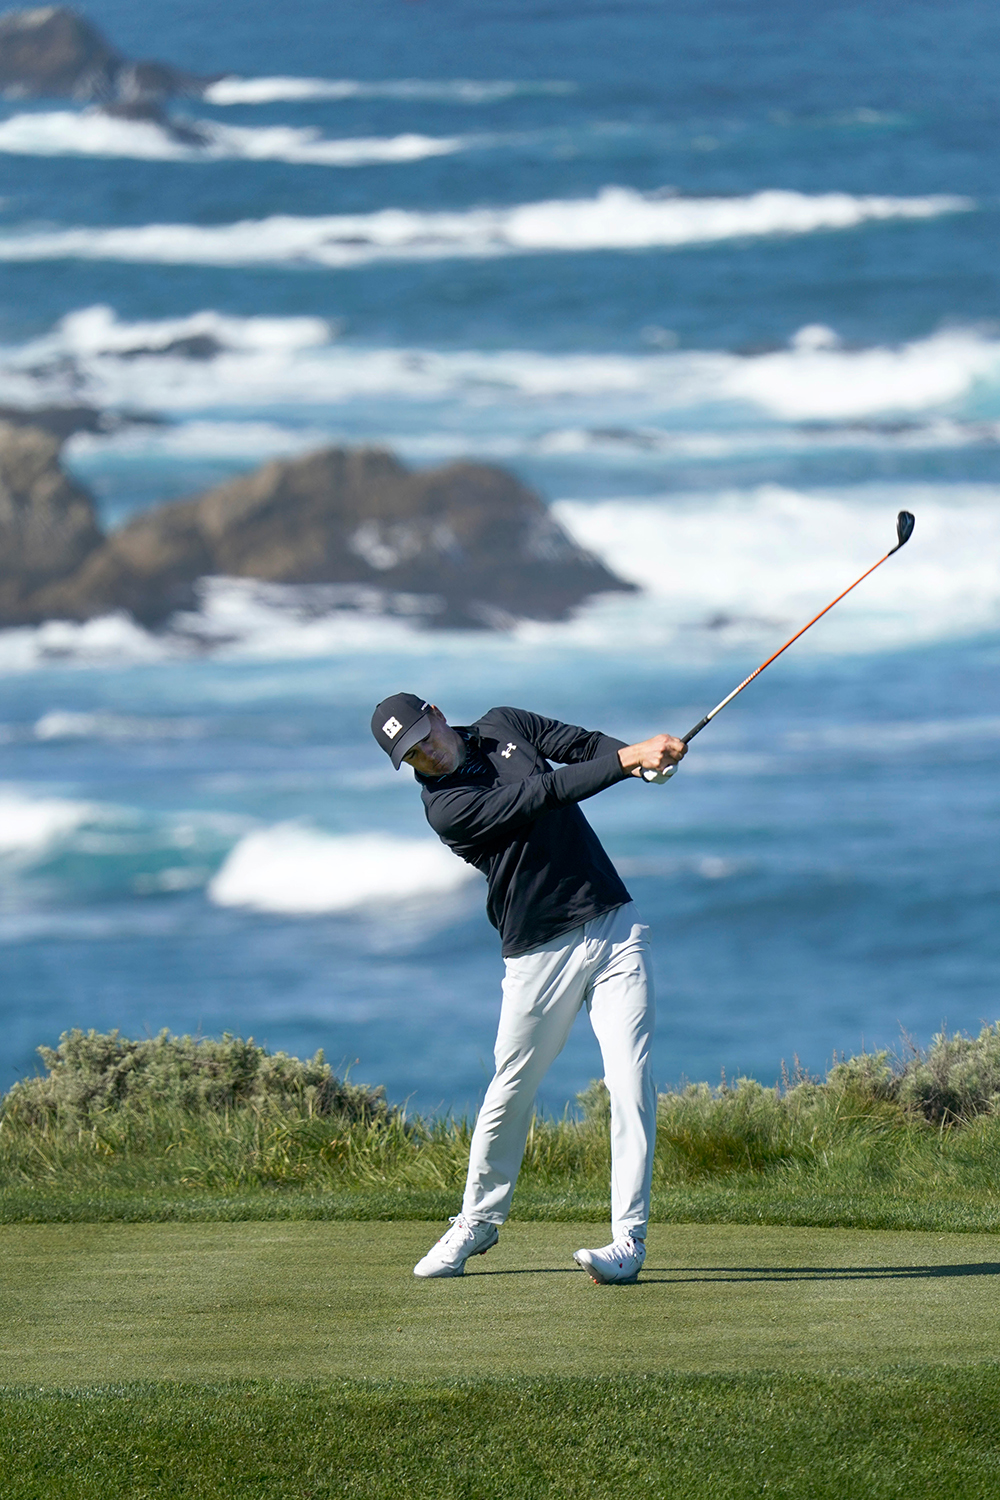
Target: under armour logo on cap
x,y
399,723
509,751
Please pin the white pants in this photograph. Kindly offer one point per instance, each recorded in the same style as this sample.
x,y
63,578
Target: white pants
x,y
601,965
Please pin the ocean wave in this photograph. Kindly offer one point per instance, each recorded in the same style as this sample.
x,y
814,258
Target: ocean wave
x,y
815,378
96,330
741,570
294,870
641,448
30,824
212,361
91,133
616,219
878,738
236,90
112,640
238,619
236,441
72,724
54,849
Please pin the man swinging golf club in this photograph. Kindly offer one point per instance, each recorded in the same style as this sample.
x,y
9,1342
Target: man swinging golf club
x,y
571,938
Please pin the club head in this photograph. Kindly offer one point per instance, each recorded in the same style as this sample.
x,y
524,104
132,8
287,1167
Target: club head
x,y
904,529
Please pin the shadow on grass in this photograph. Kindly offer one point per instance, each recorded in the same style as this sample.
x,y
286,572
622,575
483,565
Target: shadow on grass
x,y
720,1275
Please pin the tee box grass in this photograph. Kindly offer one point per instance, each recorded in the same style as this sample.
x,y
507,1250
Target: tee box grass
x,y
304,1359
98,1303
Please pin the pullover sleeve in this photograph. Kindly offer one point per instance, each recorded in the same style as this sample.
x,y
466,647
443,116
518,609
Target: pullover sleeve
x,y
484,815
566,743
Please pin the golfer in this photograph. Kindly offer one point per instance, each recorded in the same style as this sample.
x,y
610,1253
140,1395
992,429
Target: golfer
x,y
571,938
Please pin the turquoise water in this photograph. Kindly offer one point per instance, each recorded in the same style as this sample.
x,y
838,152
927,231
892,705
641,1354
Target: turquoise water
x,y
721,285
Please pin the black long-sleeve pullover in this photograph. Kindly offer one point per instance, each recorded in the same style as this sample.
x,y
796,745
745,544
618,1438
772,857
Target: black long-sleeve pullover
x,y
506,811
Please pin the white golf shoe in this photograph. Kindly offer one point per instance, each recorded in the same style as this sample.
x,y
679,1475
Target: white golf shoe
x,y
466,1237
620,1262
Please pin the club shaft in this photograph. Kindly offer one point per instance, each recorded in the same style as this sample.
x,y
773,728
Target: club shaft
x,y
687,738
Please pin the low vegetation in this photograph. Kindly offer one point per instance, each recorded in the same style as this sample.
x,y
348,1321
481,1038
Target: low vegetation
x,y
176,1127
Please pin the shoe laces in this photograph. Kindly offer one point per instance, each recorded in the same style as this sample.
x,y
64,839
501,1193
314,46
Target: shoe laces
x,y
461,1229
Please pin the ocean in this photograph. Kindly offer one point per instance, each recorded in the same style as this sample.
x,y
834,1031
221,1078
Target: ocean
x,y
720,281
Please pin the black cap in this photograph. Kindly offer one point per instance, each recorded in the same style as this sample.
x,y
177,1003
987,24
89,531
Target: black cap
x,y
399,723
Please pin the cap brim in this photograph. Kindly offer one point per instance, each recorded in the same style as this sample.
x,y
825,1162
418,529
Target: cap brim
x,y
413,736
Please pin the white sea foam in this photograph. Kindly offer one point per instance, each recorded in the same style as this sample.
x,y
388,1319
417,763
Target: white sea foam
x,y
292,869
112,640
616,219
818,380
96,330
237,441
746,567
69,133
649,400
236,90
722,575
30,824
71,724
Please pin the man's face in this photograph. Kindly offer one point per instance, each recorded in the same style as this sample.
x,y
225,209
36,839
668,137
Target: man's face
x,y
440,752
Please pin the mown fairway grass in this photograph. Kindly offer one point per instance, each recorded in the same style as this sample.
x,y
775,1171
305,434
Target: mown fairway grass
x,y
85,1304
303,1359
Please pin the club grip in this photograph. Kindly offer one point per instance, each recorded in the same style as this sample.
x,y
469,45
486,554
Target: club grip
x,y
659,777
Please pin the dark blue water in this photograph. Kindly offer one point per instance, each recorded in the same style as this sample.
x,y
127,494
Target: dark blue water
x,y
728,395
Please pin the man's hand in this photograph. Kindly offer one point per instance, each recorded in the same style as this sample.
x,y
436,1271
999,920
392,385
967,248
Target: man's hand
x,y
657,754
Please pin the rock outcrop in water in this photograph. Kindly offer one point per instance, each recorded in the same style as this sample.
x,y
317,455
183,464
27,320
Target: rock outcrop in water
x,y
465,546
48,526
52,52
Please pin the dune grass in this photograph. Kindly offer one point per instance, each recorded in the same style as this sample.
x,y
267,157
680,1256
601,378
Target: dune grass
x,y
182,1129
914,1434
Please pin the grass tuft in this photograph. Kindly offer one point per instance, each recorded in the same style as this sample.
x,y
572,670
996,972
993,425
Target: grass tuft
x,y
178,1127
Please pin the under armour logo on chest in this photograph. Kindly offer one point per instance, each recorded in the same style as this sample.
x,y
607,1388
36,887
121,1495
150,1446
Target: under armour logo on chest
x,y
508,752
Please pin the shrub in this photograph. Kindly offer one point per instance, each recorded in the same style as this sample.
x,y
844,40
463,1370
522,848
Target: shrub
x,y
91,1073
954,1081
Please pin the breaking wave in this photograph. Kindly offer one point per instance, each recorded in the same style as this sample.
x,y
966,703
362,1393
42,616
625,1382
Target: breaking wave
x,y
211,361
739,571
31,824
54,847
724,575
290,869
68,133
235,90
616,219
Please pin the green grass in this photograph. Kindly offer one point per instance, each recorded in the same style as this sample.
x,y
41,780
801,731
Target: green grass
x,y
198,1130
100,1303
893,1435
197,1300
747,1155
304,1360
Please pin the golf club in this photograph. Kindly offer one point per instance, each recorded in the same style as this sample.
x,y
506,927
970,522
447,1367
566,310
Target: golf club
x,y
904,530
